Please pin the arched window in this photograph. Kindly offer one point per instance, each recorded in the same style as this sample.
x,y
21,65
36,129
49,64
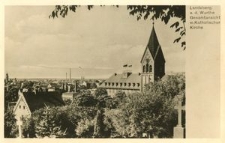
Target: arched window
x,y
150,68
144,68
147,67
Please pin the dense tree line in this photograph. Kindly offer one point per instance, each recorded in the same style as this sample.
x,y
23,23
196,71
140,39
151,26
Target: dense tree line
x,y
101,116
10,127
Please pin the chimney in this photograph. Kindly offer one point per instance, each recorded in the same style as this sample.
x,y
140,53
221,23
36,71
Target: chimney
x,y
127,71
70,75
75,86
127,68
7,78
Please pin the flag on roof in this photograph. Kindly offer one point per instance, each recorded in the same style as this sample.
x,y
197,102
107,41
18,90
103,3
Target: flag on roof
x,y
125,65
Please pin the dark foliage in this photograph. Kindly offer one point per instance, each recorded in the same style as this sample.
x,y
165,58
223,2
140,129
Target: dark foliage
x,y
164,13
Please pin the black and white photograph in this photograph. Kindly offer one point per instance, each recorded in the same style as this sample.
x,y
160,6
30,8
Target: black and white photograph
x,y
96,71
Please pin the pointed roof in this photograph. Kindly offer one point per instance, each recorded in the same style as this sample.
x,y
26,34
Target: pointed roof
x,y
153,42
21,98
153,45
42,99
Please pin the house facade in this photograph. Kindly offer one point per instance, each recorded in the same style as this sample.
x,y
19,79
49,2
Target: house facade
x,y
21,108
28,102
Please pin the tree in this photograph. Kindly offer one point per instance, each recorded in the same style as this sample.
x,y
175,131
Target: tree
x,y
149,112
28,128
165,13
153,114
51,123
86,100
10,127
85,128
99,125
100,92
11,95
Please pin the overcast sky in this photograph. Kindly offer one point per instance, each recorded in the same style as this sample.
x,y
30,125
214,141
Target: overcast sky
x,y
99,41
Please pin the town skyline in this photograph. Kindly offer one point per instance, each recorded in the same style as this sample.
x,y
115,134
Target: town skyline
x,y
39,47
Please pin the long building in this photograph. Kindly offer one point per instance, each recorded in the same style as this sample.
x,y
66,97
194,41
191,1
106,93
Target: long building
x,y
152,65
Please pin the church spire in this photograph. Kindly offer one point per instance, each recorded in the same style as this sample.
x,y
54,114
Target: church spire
x,y
153,45
153,42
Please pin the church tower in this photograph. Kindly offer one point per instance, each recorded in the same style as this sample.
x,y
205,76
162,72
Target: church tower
x,y
153,61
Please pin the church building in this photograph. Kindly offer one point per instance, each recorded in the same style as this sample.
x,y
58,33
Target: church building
x,y
153,68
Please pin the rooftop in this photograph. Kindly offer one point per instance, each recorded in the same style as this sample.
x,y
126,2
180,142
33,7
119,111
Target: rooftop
x,y
42,99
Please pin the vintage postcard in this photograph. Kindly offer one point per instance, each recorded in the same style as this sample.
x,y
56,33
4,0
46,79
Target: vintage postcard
x,y
112,71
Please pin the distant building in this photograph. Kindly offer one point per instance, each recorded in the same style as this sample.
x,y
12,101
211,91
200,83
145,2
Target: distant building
x,y
28,102
126,82
93,91
6,78
6,82
84,83
52,87
71,91
153,68
69,96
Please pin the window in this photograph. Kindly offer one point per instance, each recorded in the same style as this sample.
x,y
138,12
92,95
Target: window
x,y
121,84
129,84
147,70
125,84
150,68
23,107
144,68
19,106
133,84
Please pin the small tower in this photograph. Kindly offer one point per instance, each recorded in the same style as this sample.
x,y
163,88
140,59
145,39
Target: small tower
x,y
126,71
153,61
7,78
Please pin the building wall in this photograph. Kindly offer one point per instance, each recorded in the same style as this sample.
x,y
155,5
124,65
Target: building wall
x,y
21,110
112,92
68,96
147,76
